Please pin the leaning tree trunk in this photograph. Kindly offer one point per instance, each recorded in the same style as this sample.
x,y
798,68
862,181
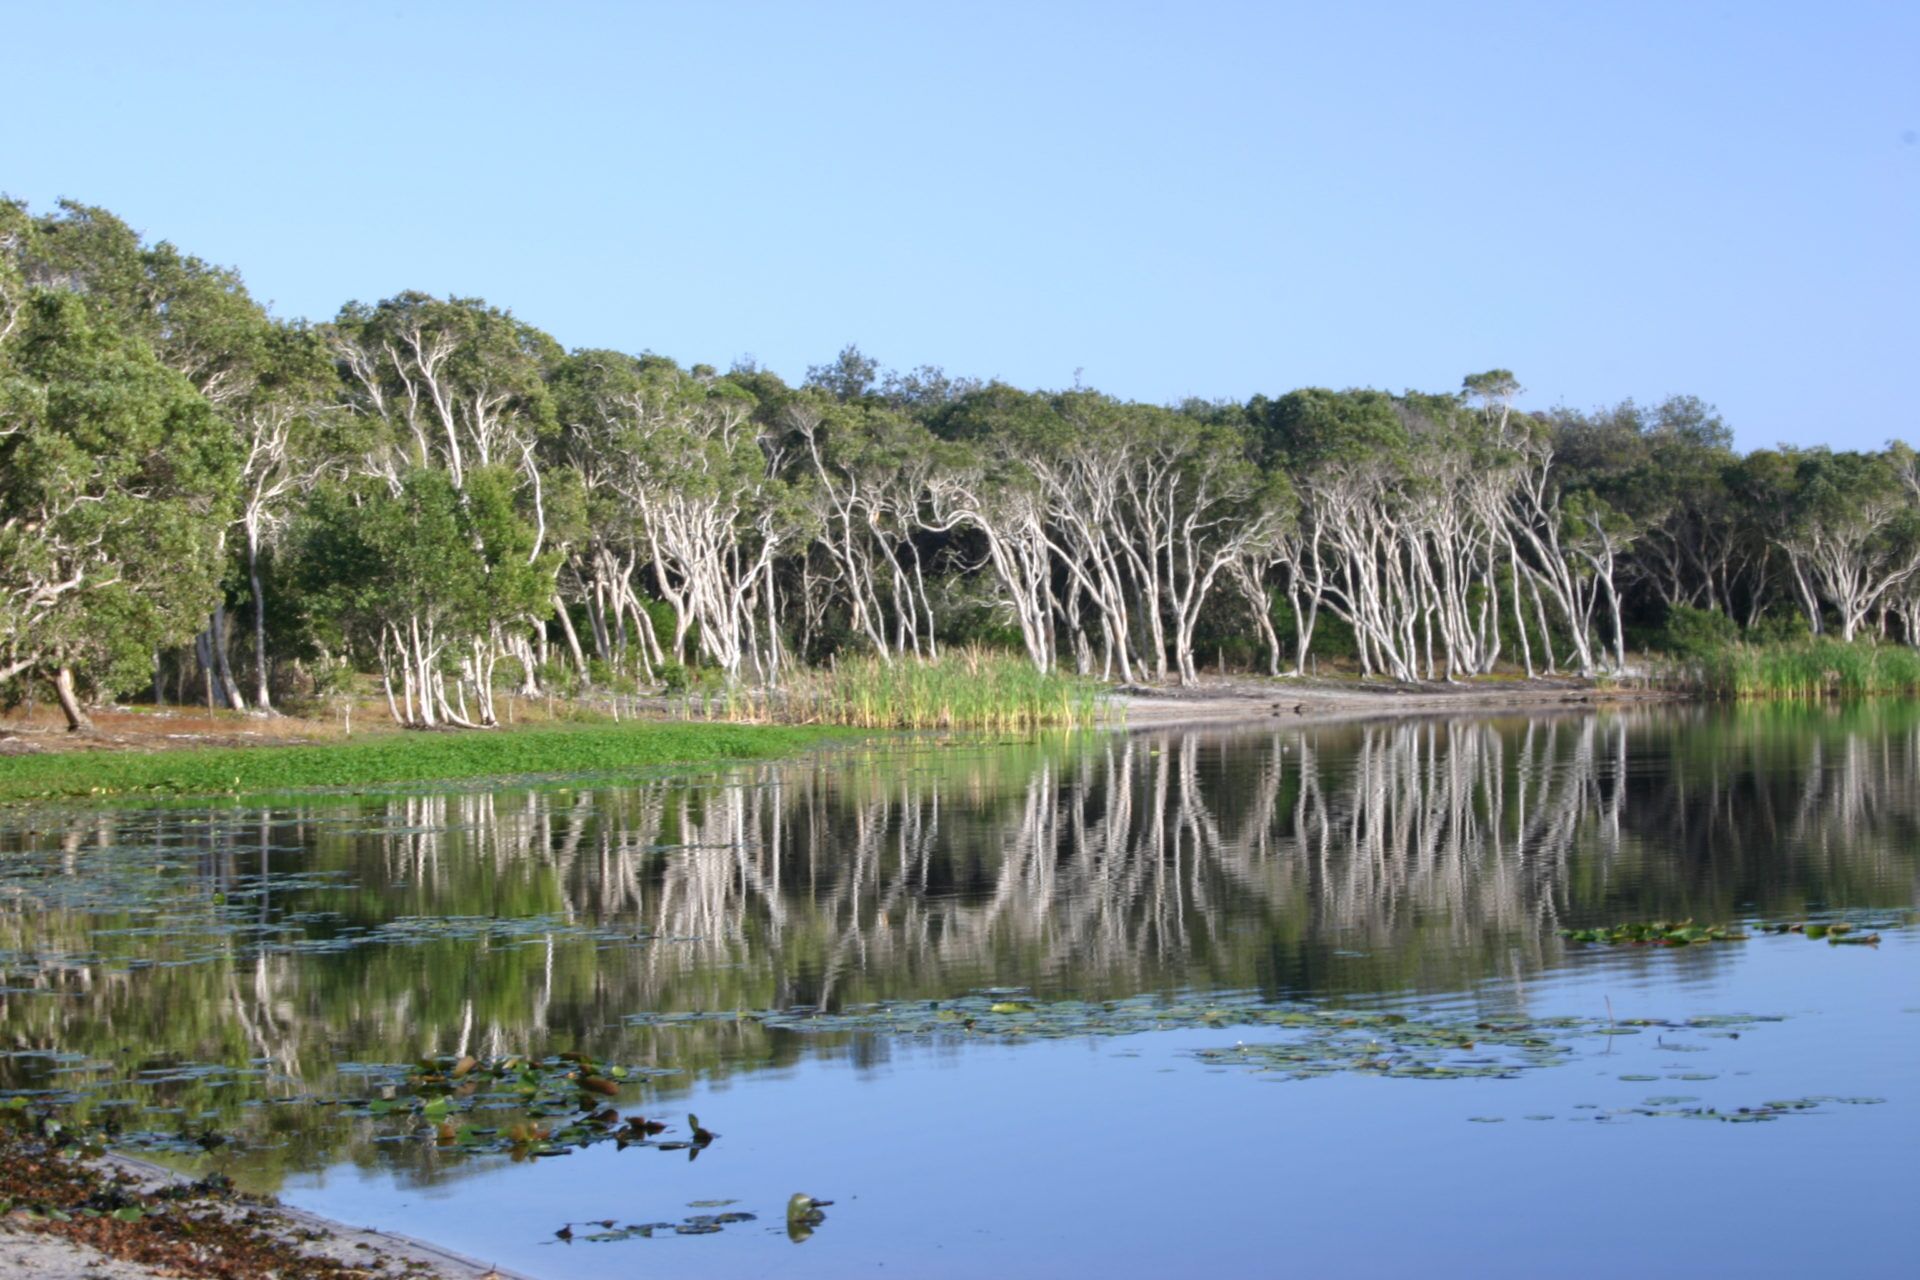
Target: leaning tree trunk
x,y
222,630
77,719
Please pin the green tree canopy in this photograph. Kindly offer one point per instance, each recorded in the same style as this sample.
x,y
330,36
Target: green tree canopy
x,y
116,482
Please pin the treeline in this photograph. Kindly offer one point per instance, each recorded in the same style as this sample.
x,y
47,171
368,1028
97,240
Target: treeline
x,y
199,498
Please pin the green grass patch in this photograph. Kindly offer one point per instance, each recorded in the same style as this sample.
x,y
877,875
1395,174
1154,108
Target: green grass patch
x,y
1804,671
394,758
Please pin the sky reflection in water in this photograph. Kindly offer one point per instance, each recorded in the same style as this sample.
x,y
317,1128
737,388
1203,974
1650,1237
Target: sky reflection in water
x,y
1418,865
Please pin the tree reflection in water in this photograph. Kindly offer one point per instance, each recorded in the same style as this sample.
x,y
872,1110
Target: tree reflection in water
x,y
1345,863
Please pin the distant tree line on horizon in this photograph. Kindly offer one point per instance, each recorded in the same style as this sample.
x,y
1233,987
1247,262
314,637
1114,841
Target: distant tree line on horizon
x,y
204,500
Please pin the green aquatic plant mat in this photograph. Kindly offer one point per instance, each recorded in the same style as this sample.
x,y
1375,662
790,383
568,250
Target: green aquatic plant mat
x,y
1658,933
395,758
521,1106
1309,1040
1684,933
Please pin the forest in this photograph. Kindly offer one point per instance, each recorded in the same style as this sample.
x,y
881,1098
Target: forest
x,y
202,502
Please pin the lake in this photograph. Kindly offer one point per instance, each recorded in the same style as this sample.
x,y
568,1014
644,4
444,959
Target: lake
x,y
1265,999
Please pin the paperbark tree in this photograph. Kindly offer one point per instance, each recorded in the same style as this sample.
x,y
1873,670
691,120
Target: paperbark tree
x,y
1853,540
420,581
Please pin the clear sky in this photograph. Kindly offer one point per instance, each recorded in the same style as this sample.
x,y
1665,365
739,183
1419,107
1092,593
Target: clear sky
x,y
1181,199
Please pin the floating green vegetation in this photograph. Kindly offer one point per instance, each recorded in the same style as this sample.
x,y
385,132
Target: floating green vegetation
x,y
528,1108
1836,932
563,1103
1308,1041
1659,933
1676,1107
1317,1041
597,749
607,1230
1001,1012
1665,933
1433,1049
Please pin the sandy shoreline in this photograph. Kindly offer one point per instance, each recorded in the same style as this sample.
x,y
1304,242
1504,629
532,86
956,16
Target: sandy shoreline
x,y
1214,700
47,1250
1226,702
338,1239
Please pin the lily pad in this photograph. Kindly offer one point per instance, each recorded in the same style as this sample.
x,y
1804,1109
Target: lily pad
x,y
1658,933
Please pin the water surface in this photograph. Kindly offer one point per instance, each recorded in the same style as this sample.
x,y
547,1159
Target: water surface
x,y
234,973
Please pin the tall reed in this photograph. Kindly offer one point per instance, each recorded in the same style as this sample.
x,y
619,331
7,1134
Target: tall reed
x,y
1807,671
964,689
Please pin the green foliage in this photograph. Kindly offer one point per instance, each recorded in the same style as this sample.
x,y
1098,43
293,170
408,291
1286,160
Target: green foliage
x,y
1780,625
1333,636
849,376
483,373
977,625
115,486
1315,426
1691,632
454,560
197,319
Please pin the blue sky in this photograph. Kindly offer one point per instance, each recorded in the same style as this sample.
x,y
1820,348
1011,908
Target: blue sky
x,y
1196,199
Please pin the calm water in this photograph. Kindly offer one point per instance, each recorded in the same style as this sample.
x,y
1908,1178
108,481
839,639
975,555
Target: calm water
x,y
237,971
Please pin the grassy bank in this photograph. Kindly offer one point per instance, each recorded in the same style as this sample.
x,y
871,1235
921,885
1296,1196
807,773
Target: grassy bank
x,y
1805,671
969,689
394,758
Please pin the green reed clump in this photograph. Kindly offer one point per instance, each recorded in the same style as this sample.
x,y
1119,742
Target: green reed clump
x,y
964,689
1805,671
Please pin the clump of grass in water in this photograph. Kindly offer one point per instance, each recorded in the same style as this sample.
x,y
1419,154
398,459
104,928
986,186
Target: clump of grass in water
x,y
1808,671
968,689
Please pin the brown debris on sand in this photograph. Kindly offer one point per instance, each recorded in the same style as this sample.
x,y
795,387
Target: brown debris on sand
x,y
69,1215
